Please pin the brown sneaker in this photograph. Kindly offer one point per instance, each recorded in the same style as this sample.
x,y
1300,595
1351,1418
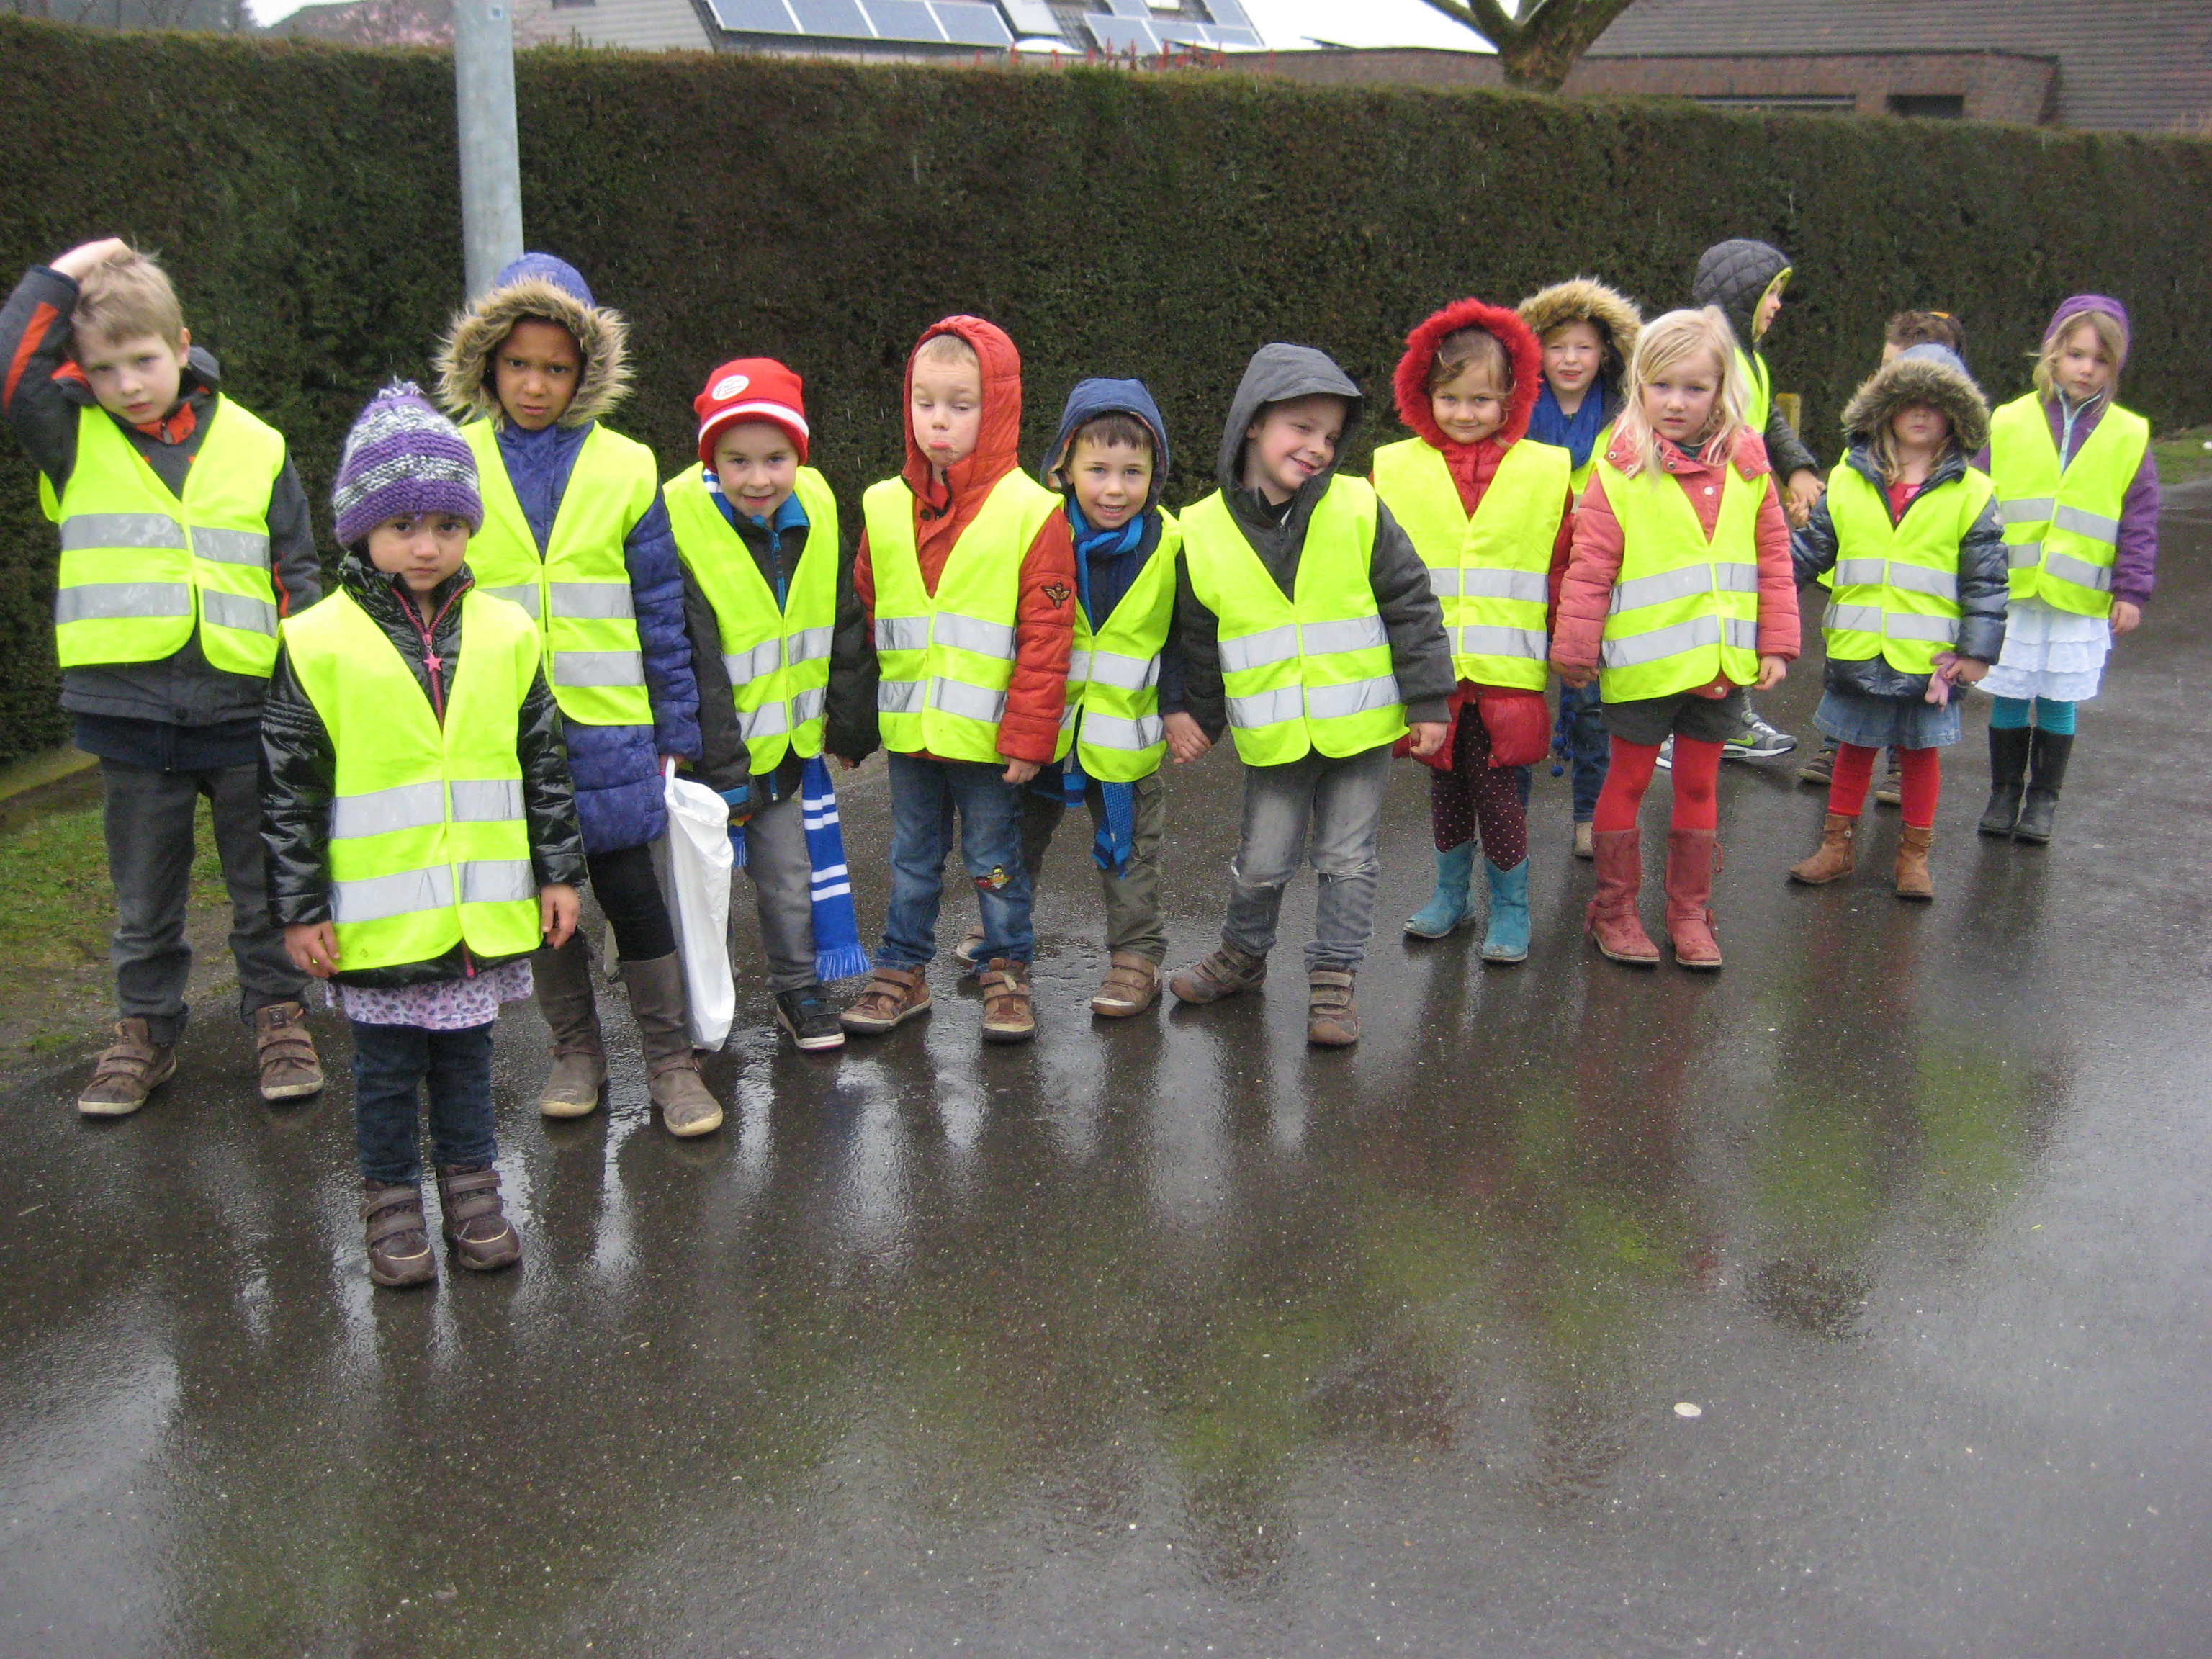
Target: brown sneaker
x,y
1332,1018
474,1222
1008,1016
127,1070
970,943
1132,984
398,1243
1224,974
290,1069
893,996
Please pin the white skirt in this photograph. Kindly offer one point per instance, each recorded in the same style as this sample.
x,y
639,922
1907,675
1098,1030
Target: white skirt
x,y
2050,654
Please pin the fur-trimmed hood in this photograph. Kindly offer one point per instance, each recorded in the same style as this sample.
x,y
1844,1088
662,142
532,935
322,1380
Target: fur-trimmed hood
x,y
536,287
1410,386
1926,374
1586,299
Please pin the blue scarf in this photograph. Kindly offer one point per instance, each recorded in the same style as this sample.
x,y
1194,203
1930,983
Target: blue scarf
x,y
837,952
1576,434
1117,831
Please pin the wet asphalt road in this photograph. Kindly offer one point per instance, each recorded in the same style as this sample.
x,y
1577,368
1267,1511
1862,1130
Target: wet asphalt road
x,y
1176,1337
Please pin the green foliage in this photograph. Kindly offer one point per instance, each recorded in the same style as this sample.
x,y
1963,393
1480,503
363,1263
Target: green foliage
x,y
1161,225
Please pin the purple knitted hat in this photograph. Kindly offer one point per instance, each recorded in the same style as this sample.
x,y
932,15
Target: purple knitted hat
x,y
403,457
2080,303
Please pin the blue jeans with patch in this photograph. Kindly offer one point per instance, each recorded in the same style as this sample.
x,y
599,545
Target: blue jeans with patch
x,y
926,795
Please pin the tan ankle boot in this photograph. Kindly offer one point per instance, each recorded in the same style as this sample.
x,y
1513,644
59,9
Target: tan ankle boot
x,y
564,979
1833,859
657,1002
1913,881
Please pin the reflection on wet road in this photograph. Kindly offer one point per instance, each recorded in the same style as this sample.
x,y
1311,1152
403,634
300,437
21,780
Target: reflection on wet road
x,y
1179,1338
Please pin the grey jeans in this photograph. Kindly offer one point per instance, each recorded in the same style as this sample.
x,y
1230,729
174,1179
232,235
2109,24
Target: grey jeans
x,y
782,873
1133,898
149,823
1337,804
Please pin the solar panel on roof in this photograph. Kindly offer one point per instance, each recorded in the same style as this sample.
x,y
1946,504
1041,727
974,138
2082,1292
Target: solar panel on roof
x,y
755,16
971,24
1129,9
1031,17
1121,35
1235,38
1182,32
1230,13
841,19
903,20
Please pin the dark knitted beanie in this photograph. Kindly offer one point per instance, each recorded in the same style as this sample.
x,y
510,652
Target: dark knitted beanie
x,y
402,458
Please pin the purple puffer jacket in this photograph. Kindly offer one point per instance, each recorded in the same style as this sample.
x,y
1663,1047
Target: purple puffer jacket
x,y
618,768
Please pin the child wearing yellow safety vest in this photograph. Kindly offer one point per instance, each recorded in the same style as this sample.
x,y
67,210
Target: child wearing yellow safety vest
x,y
185,538
575,532
2078,489
1487,510
779,648
420,826
1311,633
1108,462
1677,596
968,575
1910,533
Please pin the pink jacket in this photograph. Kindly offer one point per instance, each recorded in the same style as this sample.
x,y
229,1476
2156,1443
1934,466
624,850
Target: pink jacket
x,y
1593,564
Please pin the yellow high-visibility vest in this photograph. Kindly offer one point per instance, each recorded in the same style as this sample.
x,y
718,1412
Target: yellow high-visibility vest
x,y
2063,527
1685,610
1114,678
1897,585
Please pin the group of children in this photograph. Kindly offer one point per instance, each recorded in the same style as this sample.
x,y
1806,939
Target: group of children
x,y
412,776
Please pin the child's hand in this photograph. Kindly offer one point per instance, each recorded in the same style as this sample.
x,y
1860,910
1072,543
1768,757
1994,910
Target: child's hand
x,y
1966,670
1572,677
1772,671
557,913
1186,740
849,762
1805,488
1428,737
313,948
2125,616
1022,771
78,262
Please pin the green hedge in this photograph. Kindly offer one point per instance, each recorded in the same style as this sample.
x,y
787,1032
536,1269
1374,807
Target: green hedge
x,y
1156,226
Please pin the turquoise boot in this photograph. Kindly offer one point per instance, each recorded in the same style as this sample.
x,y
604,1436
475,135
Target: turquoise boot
x,y
1448,909
1506,939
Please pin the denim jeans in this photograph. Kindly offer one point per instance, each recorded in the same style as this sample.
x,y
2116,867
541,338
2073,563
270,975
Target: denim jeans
x,y
1337,805
926,795
390,1065
1589,747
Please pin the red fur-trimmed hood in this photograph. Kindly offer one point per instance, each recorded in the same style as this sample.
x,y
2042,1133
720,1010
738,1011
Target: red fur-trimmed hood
x,y
1411,383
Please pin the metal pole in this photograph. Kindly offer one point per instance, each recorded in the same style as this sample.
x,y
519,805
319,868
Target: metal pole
x,y
491,166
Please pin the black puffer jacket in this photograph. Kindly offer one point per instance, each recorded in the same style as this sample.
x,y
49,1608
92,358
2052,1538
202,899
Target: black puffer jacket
x,y
1983,566
298,767
1734,276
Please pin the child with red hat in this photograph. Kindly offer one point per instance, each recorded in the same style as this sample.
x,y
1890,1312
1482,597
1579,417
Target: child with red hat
x,y
778,645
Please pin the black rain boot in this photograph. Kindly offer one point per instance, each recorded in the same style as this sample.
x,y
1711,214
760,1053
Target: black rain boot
x,y
2008,768
2046,778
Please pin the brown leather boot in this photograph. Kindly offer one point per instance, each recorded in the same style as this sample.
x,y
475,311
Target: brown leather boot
x,y
891,997
658,1004
1612,918
1224,973
473,1219
1008,1014
1693,858
1332,1017
1913,881
398,1240
290,1068
1132,985
1833,859
127,1070
564,979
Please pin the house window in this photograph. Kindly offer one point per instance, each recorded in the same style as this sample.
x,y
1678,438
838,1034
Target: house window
x,y
1935,106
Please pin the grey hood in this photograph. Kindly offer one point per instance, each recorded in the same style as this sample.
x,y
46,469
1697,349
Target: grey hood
x,y
1277,374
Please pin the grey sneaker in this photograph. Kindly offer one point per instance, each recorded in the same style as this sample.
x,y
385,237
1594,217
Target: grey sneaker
x,y
1757,741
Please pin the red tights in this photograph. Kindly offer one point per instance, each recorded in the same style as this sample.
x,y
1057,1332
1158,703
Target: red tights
x,y
1697,773
1922,781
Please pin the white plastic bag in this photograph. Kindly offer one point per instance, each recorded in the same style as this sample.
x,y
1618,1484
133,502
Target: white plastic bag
x,y
693,862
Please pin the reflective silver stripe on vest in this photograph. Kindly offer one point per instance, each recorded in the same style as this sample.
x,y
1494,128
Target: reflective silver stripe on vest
x,y
808,705
1906,578
1352,633
975,634
1531,587
2082,522
1068,711
1685,583
1484,641
1112,731
380,812
85,530
1124,673
94,601
770,720
1285,702
1890,624
969,703
1270,645
2018,554
901,633
1690,635
898,696
593,601
1859,573
231,546
239,611
525,596
745,666
1443,583
378,898
591,668
808,643
1079,667
2080,572
486,800
1330,702
496,881
2026,510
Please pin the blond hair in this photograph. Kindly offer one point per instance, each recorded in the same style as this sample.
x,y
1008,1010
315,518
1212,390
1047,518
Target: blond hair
x,y
1472,348
125,295
947,349
2109,336
1663,344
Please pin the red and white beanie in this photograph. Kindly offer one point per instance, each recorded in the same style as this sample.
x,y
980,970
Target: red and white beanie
x,y
751,389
